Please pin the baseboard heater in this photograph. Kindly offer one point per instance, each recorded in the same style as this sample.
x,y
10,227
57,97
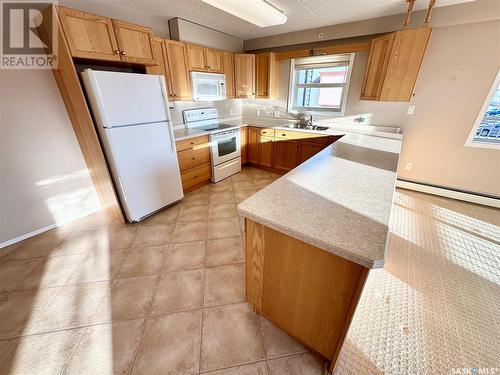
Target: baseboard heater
x,y
463,195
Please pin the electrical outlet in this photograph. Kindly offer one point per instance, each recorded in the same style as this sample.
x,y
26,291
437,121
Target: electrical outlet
x,y
409,166
257,112
411,109
276,113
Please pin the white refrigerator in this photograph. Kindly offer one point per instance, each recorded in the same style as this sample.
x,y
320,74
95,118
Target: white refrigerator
x,y
131,115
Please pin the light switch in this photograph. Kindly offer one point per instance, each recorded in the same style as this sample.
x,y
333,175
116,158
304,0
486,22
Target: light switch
x,y
411,109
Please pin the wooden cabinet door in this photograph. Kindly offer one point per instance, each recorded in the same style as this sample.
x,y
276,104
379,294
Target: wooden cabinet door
x,y
266,151
134,42
89,36
177,70
253,145
160,59
243,141
307,150
285,155
262,75
376,67
244,75
228,70
408,50
214,60
196,58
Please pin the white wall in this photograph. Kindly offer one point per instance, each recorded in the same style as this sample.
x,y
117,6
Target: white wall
x,y
44,179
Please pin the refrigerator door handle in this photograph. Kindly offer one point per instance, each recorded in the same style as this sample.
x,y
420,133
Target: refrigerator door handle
x,y
169,122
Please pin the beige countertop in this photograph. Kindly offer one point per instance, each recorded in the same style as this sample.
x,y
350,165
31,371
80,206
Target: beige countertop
x,y
183,133
339,200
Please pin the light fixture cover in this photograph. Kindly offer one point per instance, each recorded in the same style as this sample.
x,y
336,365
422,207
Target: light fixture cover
x,y
258,12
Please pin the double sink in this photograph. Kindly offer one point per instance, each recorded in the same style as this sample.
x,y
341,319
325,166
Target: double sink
x,y
306,127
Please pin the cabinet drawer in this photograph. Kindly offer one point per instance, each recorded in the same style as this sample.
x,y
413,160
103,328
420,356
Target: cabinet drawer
x,y
196,175
192,158
193,143
267,132
286,134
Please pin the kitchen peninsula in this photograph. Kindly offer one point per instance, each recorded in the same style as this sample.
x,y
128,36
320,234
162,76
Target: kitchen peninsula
x,y
313,235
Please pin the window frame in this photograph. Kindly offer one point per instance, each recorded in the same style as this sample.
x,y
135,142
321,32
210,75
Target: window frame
x,y
471,142
291,107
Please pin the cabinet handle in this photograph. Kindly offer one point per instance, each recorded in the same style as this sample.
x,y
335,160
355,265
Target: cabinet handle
x,y
195,176
122,53
117,51
283,135
192,143
193,158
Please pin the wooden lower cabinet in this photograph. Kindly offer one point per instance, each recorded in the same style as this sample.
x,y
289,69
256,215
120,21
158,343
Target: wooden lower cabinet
x,y
306,150
308,292
194,162
243,142
253,145
285,155
266,151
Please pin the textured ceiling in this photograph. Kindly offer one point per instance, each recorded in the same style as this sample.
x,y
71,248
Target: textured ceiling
x,y
302,14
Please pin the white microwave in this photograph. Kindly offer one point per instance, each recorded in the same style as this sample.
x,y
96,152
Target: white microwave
x,y
208,86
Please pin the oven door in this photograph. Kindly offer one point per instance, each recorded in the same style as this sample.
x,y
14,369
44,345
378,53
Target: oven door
x,y
225,146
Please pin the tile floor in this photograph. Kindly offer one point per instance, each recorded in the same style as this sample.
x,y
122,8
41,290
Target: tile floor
x,y
167,296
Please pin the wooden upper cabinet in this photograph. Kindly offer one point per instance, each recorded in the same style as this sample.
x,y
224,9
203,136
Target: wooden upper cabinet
x,y
267,75
89,36
177,67
214,60
203,59
228,70
161,61
134,42
244,75
196,58
393,65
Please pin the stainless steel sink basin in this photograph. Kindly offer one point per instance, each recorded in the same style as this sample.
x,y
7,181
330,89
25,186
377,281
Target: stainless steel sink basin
x,y
306,127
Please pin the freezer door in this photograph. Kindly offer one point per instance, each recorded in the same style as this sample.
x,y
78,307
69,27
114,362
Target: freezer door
x,y
143,161
120,99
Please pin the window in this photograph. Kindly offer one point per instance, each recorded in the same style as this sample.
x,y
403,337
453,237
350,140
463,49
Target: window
x,y
320,83
486,129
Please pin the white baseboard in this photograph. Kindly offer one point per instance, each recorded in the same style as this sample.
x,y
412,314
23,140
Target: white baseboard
x,y
47,228
449,193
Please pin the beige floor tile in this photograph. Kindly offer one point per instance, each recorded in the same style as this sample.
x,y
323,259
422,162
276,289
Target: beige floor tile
x,y
221,228
19,309
226,196
243,185
13,272
195,198
35,247
222,210
171,345
222,186
44,354
79,242
150,235
97,220
302,364
143,261
225,284
258,368
190,231
241,195
99,265
107,349
126,299
241,177
185,256
193,213
51,272
230,337
117,238
276,342
165,216
225,251
241,220
73,306
179,291
5,347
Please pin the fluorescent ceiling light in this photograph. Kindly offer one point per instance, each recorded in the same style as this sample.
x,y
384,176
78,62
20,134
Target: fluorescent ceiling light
x,y
258,12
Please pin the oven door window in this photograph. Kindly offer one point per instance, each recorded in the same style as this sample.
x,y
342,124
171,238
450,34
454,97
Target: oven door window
x,y
207,89
226,146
